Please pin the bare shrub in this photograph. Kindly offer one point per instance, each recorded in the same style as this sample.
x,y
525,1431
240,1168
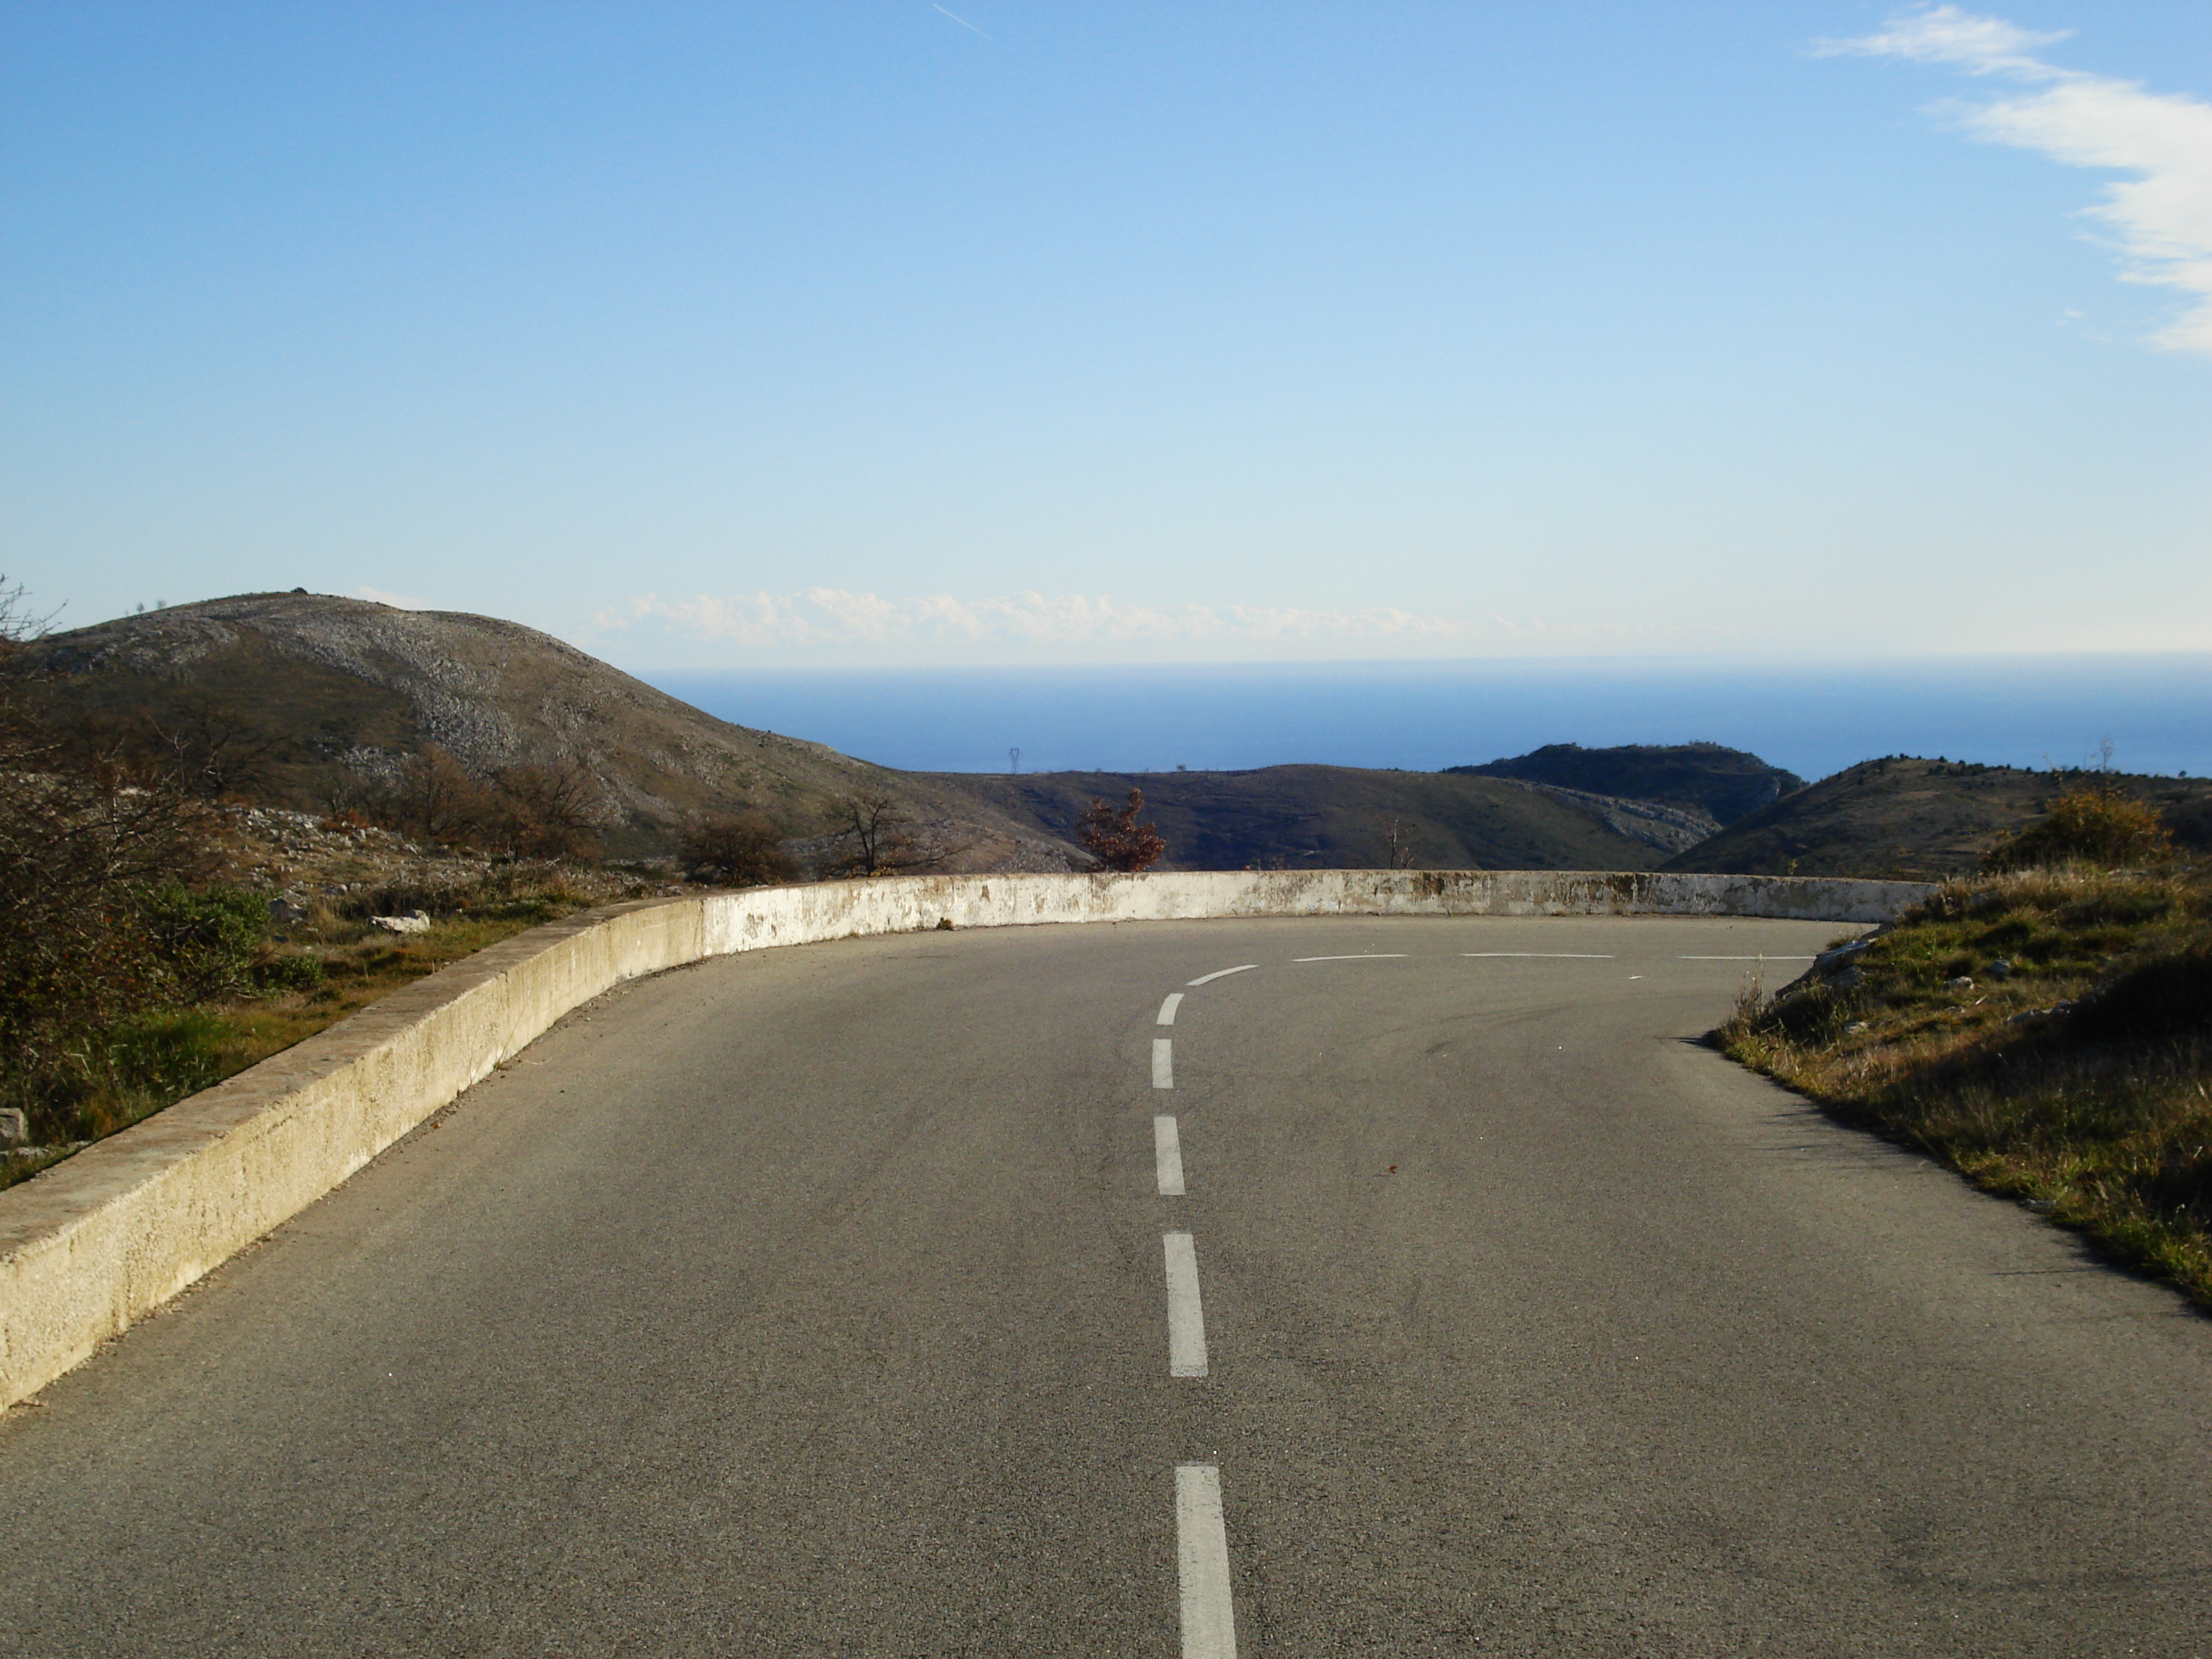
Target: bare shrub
x,y
874,836
433,798
740,849
541,812
547,812
217,749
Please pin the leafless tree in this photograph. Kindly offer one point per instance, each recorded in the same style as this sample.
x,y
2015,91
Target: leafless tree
x,y
873,835
542,811
740,849
434,798
1397,843
217,748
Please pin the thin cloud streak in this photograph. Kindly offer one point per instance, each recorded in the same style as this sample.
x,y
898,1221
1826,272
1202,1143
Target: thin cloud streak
x,y
829,619
2163,218
963,21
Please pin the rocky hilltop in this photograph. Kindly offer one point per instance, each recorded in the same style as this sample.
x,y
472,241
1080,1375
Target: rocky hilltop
x,y
1711,785
326,693
326,689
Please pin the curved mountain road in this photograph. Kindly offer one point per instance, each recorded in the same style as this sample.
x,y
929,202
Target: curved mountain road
x,y
1421,1287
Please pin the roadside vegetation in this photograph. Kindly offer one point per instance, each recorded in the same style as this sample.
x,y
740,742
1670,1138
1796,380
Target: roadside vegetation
x,y
2044,1028
146,949
211,985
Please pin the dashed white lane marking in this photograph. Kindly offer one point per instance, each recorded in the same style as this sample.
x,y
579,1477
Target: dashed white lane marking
x,y
1222,973
1368,955
1761,958
1209,1620
1544,956
1186,1318
1167,1156
1162,1063
1167,1008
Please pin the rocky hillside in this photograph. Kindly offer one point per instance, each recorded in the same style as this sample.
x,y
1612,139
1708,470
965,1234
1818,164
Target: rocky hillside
x,y
299,698
308,691
1918,819
306,695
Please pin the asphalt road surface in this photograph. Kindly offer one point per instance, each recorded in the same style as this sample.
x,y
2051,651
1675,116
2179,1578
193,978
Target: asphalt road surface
x,y
840,1300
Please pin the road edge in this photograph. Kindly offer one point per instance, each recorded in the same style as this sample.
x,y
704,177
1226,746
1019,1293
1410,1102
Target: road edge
x,y
101,1239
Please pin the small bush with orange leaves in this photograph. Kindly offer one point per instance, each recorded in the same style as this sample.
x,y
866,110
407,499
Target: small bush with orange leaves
x,y
2098,826
1117,840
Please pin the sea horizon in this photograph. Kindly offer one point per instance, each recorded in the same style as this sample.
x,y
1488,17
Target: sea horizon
x,y
1815,718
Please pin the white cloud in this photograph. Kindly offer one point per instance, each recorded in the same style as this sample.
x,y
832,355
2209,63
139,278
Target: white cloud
x,y
396,601
1945,34
828,620
2163,217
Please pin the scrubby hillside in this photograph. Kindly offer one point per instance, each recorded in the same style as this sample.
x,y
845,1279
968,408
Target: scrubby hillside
x,y
1722,784
1342,816
300,694
1920,818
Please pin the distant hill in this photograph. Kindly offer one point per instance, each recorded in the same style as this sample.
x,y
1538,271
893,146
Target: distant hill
x,y
1918,819
325,689
1342,816
1723,784
338,686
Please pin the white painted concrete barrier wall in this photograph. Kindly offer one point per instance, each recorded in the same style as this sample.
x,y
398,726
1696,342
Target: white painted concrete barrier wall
x,y
99,1240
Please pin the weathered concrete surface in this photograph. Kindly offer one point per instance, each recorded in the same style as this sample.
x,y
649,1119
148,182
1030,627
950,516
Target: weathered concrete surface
x,y
99,1241
791,916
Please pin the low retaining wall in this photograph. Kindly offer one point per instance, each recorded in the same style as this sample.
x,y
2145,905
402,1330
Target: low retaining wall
x,y
98,1241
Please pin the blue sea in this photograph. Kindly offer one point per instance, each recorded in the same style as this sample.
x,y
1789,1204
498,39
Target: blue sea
x,y
2154,711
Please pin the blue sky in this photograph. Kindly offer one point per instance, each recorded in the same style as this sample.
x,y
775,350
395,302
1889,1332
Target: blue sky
x,y
726,336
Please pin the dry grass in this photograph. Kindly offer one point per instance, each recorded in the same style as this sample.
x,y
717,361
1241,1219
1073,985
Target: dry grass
x,y
2073,1079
